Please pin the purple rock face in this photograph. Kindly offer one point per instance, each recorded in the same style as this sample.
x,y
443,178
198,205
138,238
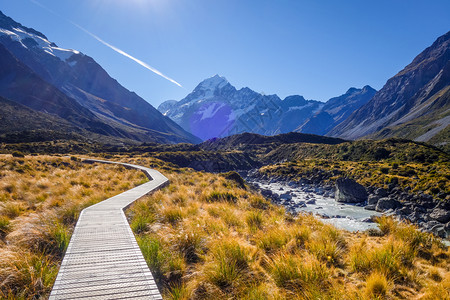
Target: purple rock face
x,y
213,119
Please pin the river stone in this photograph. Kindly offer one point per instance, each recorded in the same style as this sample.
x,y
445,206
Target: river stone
x,y
266,192
373,199
286,196
440,215
381,193
349,191
370,207
311,201
447,229
404,211
439,231
385,204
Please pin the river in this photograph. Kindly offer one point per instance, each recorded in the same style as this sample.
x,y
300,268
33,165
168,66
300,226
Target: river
x,y
345,216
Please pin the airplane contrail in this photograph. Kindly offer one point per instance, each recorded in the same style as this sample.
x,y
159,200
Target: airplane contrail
x,y
145,65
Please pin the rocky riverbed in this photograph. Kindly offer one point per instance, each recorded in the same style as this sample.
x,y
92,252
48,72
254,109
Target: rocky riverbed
x,y
351,206
320,202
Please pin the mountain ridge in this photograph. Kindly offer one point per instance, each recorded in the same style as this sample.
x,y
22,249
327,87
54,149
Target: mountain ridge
x,y
215,108
79,77
407,100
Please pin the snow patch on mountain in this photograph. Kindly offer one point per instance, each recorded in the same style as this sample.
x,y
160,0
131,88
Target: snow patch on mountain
x,y
24,38
209,111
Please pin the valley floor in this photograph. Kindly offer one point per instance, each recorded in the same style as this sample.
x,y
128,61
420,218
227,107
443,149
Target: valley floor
x,y
208,236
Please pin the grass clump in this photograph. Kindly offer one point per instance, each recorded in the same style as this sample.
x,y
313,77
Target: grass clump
x,y
190,245
254,220
273,239
26,275
4,226
390,259
216,196
154,255
230,264
172,215
377,286
301,276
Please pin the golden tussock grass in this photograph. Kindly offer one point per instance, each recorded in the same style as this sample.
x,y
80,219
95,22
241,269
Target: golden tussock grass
x,y
208,237
40,200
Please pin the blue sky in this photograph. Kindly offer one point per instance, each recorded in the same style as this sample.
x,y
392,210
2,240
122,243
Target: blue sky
x,y
317,49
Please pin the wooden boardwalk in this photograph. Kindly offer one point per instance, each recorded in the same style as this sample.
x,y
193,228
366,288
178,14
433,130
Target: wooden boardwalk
x,y
103,259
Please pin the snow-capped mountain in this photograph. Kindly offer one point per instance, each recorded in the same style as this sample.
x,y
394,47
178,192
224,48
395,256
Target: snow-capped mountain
x,y
217,109
82,80
336,110
36,40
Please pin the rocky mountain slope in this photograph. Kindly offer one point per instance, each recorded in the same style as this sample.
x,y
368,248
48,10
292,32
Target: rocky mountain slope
x,y
20,84
79,78
413,104
217,109
336,110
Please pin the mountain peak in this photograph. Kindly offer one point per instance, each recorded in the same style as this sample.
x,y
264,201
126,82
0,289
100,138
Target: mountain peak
x,y
368,88
352,90
213,83
365,89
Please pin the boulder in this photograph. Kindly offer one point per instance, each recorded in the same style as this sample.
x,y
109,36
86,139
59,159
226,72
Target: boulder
x,y
439,231
370,207
299,204
292,184
286,196
440,215
381,193
373,199
349,191
430,224
405,211
447,229
266,192
385,204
